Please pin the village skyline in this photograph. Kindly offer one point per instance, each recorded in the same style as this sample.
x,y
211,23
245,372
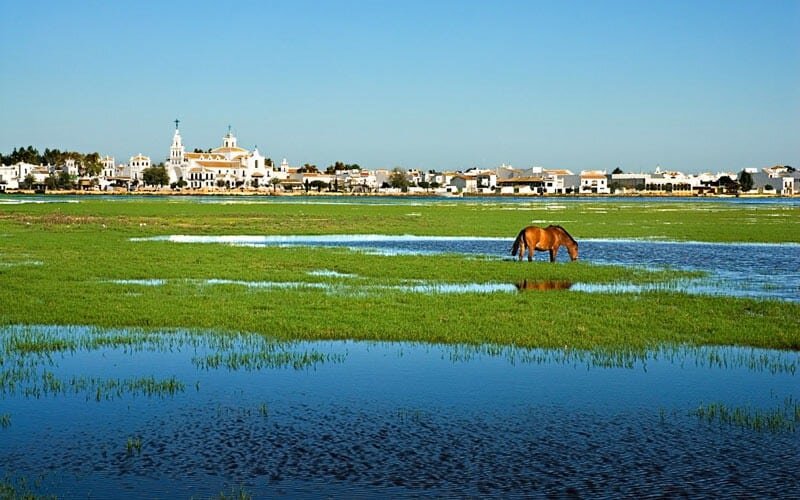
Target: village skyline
x,y
232,167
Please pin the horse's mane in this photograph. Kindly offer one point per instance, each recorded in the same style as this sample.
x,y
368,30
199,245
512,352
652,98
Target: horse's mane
x,y
567,233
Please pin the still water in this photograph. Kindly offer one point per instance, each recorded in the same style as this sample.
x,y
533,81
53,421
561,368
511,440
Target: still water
x,y
757,270
109,413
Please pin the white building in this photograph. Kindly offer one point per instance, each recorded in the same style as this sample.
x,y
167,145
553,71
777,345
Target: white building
x,y
136,166
227,165
594,181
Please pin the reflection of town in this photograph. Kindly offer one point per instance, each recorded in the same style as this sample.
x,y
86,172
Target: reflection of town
x,y
230,168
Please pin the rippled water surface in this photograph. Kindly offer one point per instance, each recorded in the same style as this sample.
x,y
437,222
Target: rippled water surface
x,y
102,413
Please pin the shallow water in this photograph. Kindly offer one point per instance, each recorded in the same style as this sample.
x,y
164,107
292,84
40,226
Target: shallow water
x,y
315,419
400,200
757,270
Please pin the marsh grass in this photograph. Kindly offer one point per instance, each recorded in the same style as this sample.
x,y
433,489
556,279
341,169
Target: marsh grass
x,y
784,418
21,488
235,493
85,247
265,359
133,446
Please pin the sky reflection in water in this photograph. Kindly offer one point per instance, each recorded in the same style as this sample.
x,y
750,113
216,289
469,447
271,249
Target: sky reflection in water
x,y
357,418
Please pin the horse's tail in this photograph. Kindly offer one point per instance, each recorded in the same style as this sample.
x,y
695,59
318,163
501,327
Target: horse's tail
x,y
517,242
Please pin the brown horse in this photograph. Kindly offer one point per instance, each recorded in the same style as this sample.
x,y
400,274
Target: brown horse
x,y
549,238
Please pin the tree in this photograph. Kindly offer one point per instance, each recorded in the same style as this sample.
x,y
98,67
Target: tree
x,y
274,181
155,176
398,179
65,181
745,180
617,171
308,169
27,183
727,184
91,164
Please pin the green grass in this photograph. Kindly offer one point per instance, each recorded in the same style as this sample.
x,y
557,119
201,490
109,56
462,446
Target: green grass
x,y
60,262
784,418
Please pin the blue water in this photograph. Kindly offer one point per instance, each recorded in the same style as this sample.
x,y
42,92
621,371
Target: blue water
x,y
394,200
755,270
394,419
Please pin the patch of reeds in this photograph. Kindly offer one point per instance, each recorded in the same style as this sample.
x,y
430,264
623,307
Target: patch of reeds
x,y
133,446
235,493
784,418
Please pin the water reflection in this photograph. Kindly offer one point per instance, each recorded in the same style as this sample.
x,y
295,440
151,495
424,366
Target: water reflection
x,y
542,285
348,419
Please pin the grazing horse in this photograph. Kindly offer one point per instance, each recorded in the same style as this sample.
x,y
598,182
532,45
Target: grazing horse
x,y
549,238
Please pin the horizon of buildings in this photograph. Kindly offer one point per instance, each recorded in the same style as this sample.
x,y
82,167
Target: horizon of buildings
x,y
230,166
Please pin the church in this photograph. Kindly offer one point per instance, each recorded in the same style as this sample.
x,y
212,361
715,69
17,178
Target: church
x,y
227,166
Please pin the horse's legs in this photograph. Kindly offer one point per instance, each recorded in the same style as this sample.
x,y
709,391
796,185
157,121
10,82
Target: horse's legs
x,y
553,253
530,253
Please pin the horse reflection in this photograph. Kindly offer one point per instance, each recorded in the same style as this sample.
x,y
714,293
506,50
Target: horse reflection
x,y
542,285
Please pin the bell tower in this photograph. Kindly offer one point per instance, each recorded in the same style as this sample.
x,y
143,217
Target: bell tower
x,y
177,150
229,141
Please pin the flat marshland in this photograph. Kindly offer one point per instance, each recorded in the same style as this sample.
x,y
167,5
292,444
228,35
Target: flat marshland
x,y
346,347
100,262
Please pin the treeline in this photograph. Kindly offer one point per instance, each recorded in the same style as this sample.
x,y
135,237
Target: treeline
x,y
88,164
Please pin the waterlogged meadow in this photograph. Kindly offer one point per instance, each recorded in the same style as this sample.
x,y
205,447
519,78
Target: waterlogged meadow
x,y
374,346
345,418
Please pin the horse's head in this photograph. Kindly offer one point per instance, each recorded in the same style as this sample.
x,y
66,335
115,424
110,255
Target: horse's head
x,y
573,251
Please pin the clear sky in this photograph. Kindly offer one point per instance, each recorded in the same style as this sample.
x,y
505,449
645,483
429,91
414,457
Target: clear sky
x,y
693,86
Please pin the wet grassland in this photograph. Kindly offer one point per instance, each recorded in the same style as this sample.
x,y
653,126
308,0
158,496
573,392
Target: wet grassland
x,y
135,360
91,263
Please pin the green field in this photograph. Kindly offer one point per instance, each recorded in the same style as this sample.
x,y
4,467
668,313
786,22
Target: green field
x,y
75,264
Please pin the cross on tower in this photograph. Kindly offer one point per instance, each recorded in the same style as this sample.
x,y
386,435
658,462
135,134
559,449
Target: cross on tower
x,y
176,123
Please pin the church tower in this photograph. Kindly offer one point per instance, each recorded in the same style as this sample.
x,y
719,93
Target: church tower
x,y
177,150
229,141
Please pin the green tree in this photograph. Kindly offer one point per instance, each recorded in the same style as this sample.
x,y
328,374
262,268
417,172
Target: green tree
x,y
155,176
398,179
91,165
65,181
745,180
617,171
308,169
274,181
27,183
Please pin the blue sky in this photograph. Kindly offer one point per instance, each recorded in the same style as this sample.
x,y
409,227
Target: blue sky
x,y
693,86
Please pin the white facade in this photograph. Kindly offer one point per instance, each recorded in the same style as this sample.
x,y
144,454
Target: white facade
x,y
135,167
227,166
594,181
